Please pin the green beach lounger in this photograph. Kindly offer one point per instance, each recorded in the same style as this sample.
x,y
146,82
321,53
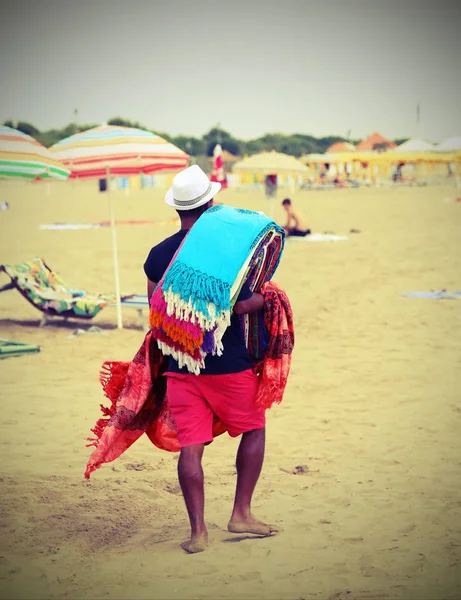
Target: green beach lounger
x,y
10,348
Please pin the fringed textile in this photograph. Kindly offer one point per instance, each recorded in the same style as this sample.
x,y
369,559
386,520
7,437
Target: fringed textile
x,y
275,367
191,307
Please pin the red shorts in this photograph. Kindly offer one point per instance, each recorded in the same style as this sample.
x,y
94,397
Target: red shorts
x,y
195,399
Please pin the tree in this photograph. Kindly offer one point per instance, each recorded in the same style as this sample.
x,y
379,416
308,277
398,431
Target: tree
x,y
231,145
381,147
254,146
295,144
26,128
325,142
191,145
48,138
52,136
227,141
215,134
120,122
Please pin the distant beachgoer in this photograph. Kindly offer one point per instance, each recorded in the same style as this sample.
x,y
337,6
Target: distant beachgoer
x,y
270,185
295,225
398,175
340,183
4,206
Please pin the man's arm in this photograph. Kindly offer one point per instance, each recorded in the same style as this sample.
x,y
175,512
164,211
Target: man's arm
x,y
254,303
150,289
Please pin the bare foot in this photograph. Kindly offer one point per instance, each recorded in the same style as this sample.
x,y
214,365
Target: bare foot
x,y
251,525
197,543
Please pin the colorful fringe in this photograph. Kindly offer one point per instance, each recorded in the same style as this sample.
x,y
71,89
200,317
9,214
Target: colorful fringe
x,y
137,389
191,307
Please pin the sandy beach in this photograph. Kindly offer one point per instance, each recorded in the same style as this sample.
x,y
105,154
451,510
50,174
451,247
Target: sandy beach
x,y
372,415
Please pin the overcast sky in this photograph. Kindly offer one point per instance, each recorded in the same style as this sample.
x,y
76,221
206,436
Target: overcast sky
x,y
316,67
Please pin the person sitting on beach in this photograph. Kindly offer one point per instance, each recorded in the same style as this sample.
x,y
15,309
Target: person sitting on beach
x,y
227,386
295,225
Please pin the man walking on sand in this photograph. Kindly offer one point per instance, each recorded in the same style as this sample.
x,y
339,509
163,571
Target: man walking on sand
x,y
226,387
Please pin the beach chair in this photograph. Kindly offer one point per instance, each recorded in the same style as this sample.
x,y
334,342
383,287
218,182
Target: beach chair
x,y
9,348
48,293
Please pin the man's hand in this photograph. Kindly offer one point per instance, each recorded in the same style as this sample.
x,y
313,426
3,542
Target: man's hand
x,y
253,304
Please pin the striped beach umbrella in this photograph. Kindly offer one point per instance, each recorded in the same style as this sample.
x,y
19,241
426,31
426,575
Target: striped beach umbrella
x,y
118,151
22,156
218,174
109,150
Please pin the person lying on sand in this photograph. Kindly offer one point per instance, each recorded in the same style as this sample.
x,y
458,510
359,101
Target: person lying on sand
x,y
295,225
226,387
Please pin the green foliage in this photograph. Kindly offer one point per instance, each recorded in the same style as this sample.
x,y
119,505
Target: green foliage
x,y
296,144
120,122
227,141
233,146
52,136
254,146
191,145
381,147
26,128
215,135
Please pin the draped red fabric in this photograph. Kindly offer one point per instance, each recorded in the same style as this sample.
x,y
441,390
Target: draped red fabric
x,y
137,389
275,367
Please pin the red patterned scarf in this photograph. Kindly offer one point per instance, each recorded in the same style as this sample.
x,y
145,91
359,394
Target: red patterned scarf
x,y
275,366
137,389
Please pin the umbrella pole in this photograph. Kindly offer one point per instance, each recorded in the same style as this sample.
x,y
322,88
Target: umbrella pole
x,y
271,208
115,254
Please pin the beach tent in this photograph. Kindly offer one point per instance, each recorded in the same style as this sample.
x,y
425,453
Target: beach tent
x,y
341,160
414,145
452,144
340,147
107,151
452,147
369,143
327,158
270,163
277,164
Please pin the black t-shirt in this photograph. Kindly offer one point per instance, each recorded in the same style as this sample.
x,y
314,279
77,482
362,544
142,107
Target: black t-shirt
x,y
235,356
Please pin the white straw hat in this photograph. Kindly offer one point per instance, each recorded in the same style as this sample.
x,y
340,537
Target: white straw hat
x,y
191,188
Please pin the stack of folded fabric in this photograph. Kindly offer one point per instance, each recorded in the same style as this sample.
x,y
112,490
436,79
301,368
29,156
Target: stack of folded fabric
x,y
192,305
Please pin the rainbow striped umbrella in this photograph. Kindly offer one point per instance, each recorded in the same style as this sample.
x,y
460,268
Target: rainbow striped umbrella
x,y
22,156
110,150
118,151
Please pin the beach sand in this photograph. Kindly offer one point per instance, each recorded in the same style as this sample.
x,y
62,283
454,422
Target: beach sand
x,y
371,414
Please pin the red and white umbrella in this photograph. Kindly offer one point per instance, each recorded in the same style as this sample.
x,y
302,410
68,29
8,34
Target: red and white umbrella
x,y
218,174
109,150
120,151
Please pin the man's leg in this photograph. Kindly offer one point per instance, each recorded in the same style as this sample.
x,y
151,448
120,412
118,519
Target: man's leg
x,y
299,232
250,457
190,475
